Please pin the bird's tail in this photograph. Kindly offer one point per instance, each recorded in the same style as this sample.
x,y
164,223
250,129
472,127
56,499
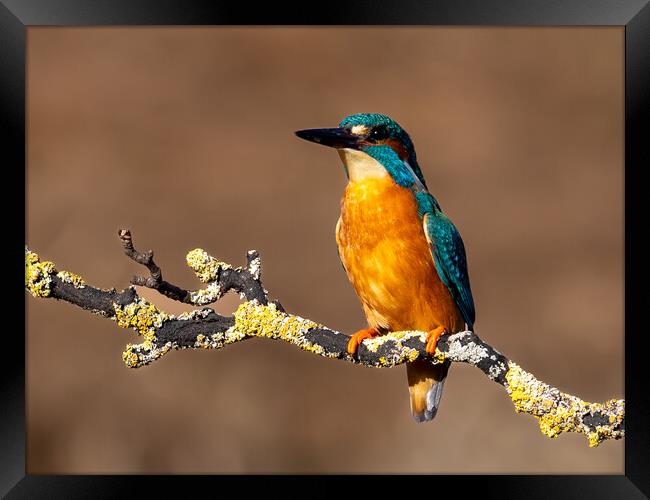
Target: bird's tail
x,y
425,388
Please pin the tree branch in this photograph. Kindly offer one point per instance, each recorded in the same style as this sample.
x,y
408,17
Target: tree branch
x,y
556,411
220,276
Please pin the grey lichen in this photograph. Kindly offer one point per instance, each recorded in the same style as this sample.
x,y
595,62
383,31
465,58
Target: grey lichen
x,y
207,295
466,352
255,264
496,370
197,313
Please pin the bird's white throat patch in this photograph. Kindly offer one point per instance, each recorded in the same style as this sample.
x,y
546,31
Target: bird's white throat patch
x,y
360,165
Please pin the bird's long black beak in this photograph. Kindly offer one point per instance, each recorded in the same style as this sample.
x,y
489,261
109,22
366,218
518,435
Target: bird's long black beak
x,y
332,137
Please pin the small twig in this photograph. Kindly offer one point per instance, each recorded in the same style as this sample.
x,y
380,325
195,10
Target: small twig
x,y
245,281
154,281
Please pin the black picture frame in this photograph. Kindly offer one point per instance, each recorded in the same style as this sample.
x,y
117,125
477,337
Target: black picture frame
x,y
17,15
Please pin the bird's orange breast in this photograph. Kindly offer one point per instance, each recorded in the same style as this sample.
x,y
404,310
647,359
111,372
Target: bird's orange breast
x,y
388,259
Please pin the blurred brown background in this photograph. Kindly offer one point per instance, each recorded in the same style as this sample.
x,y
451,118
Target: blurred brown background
x,y
186,137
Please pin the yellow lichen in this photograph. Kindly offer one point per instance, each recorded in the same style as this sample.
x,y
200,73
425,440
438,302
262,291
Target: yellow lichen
x,y
413,355
519,388
558,412
254,319
203,342
555,414
597,436
439,357
73,279
37,274
141,316
562,419
205,266
137,355
130,358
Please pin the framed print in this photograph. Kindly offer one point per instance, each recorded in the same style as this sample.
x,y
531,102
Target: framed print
x,y
178,125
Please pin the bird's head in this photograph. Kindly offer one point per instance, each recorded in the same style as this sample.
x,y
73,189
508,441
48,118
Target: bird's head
x,y
364,137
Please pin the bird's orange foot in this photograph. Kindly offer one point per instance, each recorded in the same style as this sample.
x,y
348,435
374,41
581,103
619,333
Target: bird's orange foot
x,y
432,339
358,337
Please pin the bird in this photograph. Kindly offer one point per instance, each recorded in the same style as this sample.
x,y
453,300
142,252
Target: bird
x,y
403,256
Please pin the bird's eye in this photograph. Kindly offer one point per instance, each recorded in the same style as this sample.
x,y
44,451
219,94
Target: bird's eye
x,y
378,133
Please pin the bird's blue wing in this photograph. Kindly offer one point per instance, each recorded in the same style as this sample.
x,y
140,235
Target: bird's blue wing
x,y
448,253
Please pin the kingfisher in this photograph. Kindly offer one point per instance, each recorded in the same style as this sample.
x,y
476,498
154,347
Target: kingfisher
x,y
402,254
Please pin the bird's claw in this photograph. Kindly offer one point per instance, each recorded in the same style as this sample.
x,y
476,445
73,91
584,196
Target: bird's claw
x,y
432,339
358,337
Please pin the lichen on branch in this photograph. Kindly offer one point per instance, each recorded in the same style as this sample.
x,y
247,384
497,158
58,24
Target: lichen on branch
x,y
558,412
161,333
